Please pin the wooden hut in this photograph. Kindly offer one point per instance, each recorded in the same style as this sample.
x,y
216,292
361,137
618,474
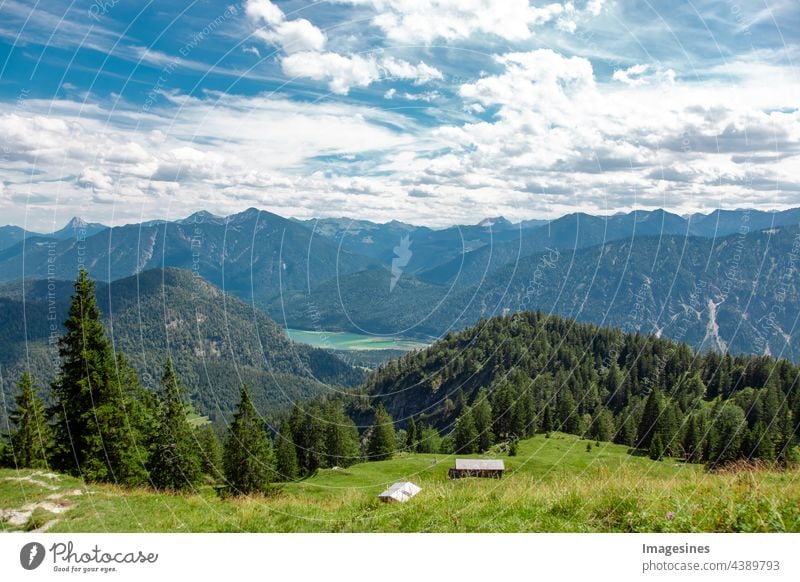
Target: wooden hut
x,y
477,468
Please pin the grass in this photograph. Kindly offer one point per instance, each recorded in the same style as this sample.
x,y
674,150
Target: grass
x,y
552,485
340,340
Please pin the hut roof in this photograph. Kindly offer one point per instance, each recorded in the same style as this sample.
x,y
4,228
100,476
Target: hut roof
x,y
401,491
480,465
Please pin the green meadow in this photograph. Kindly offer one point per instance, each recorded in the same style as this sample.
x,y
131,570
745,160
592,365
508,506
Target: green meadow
x,y
553,485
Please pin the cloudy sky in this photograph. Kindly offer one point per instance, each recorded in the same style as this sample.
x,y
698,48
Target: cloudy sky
x,y
428,111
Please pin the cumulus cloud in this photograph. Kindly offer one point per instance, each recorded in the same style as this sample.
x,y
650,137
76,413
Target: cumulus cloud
x,y
290,35
411,21
294,36
264,11
643,75
345,72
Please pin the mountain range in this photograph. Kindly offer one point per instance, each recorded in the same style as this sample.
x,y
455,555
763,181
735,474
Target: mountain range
x,y
722,281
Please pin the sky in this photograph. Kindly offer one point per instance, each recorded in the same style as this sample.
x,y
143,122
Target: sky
x,y
432,112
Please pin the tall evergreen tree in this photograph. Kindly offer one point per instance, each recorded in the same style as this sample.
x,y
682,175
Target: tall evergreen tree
x,y
726,435
603,425
285,453
210,451
102,415
31,438
382,436
693,441
650,418
411,435
175,459
341,437
482,416
465,435
547,420
249,462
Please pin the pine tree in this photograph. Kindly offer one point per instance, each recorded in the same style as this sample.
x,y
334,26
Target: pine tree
x,y
341,437
482,415
31,438
656,448
650,418
174,460
249,462
102,414
210,451
759,444
285,453
603,425
692,441
429,440
726,434
382,436
412,438
547,420
465,435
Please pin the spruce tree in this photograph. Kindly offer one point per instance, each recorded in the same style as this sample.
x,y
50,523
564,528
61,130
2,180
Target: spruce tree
x,y
102,415
603,425
31,438
412,438
285,453
465,435
482,415
340,437
210,451
656,448
692,441
249,462
175,460
382,436
547,420
650,418
726,435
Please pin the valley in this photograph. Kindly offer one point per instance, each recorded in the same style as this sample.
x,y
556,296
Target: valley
x,y
341,340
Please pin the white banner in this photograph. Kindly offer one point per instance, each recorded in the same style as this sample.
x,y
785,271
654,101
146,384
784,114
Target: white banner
x,y
400,557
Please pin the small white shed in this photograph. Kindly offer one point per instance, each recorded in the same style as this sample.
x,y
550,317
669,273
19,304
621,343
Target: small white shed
x,y
401,491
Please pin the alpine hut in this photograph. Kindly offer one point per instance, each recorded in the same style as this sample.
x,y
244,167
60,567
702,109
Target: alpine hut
x,y
477,468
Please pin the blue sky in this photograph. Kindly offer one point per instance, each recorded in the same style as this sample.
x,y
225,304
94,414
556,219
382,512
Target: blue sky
x,y
428,111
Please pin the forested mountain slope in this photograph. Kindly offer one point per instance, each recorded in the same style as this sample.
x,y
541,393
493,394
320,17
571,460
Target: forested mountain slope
x,y
215,340
517,375
738,293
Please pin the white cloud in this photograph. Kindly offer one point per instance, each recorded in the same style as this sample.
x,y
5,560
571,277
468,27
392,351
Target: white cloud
x,y
264,11
643,75
551,138
290,35
343,73
399,69
294,36
412,21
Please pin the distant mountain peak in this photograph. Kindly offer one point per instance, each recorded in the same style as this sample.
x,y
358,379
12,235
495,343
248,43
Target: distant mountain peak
x,y
75,224
495,221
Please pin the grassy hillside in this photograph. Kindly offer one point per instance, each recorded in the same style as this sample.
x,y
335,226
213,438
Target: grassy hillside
x,y
553,485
